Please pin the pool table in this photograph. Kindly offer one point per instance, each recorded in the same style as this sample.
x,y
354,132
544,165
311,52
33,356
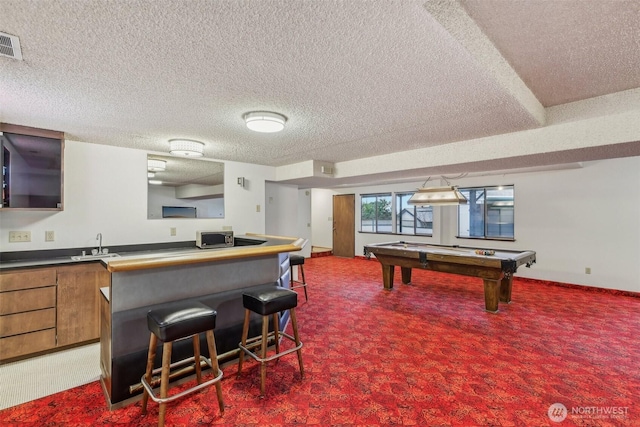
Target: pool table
x,y
494,267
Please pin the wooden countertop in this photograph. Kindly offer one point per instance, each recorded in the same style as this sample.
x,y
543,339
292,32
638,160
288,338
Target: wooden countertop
x,y
273,245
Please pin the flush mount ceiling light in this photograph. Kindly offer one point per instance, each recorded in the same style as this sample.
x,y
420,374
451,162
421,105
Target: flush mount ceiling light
x,y
151,174
265,121
186,148
155,165
437,196
155,182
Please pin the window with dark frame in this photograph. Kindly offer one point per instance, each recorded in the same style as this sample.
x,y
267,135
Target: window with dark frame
x,y
412,220
488,213
376,213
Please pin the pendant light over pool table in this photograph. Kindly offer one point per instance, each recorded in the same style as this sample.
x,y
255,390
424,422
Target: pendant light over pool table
x,y
437,196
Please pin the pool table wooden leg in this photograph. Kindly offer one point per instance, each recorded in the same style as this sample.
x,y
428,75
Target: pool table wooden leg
x,y
387,275
505,289
491,295
406,275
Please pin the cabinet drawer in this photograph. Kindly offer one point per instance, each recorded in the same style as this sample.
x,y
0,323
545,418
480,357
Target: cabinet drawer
x,y
14,324
20,345
27,279
27,300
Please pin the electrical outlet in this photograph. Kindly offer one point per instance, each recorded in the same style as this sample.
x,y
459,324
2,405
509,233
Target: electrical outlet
x,y
587,270
49,236
19,236
173,231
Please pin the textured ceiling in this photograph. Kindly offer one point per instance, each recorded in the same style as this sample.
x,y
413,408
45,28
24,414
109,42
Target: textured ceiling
x,y
356,79
566,50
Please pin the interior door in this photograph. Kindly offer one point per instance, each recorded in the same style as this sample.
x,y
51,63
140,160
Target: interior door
x,y
344,225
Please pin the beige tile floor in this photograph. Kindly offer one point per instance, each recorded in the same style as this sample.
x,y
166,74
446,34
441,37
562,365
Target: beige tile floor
x,y
41,376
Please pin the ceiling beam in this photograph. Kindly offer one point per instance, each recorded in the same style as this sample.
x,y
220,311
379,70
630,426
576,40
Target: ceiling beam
x,y
452,16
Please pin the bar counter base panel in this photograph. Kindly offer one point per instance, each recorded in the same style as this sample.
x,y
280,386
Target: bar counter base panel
x,y
216,279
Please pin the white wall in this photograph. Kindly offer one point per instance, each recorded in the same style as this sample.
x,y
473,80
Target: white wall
x,y
105,191
281,214
573,219
322,217
288,213
304,220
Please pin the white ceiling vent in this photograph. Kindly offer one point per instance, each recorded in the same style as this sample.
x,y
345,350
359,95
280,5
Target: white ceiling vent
x,y
10,46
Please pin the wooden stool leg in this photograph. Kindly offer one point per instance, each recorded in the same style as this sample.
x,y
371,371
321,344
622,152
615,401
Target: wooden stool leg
x,y
196,356
245,332
151,355
294,325
263,365
213,355
164,380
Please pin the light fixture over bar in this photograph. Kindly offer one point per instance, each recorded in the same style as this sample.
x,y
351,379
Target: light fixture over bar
x,y
186,148
156,165
265,121
437,196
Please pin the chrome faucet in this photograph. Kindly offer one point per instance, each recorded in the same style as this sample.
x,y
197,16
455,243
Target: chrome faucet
x,y
99,237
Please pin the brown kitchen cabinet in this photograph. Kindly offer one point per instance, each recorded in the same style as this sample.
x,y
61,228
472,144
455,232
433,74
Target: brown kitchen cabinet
x,y
78,306
49,308
27,312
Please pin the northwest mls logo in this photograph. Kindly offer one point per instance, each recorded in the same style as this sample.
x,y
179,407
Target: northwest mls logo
x,y
557,412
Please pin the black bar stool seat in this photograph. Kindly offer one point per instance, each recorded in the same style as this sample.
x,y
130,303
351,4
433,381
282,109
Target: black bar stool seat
x,y
171,323
269,301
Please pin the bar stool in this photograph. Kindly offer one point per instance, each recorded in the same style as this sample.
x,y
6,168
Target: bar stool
x,y
266,302
299,261
169,324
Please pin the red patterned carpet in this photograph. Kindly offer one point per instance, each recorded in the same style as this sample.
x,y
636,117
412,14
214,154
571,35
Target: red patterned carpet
x,y
425,354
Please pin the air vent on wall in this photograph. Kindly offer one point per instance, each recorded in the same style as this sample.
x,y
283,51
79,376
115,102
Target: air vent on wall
x,y
327,170
10,46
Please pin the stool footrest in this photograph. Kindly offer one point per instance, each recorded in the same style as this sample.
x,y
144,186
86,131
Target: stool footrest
x,y
257,341
274,356
183,362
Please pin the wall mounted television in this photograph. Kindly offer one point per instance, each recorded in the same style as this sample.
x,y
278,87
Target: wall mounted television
x,y
178,212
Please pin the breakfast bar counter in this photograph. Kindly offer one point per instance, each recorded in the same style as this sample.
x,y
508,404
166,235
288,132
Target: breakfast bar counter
x,y
215,277
246,246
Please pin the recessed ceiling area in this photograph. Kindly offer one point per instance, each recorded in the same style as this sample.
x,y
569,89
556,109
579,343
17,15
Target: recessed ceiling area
x,y
379,89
